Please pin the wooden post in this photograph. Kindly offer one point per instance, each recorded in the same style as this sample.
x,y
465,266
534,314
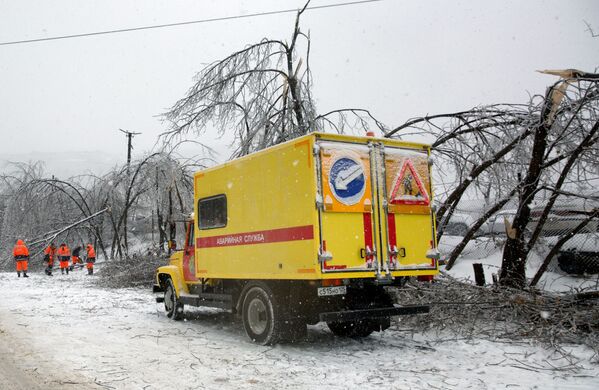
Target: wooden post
x,y
479,274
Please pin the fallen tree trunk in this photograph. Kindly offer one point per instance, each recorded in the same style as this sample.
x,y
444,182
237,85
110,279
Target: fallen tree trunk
x,y
47,237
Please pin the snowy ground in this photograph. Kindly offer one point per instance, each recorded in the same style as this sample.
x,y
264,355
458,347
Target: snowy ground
x,y
65,333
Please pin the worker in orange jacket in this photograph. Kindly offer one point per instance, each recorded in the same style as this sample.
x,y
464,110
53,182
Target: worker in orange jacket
x,y
64,255
91,259
49,255
21,255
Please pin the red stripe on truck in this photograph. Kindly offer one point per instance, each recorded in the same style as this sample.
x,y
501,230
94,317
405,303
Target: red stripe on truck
x,y
295,233
391,230
367,220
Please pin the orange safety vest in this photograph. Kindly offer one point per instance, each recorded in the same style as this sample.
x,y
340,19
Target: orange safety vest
x,y
91,253
20,251
64,253
50,252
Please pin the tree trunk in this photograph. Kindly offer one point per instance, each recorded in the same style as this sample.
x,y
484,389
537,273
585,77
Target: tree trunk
x,y
161,230
172,231
513,265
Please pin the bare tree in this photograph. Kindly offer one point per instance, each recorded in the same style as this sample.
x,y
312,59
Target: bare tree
x,y
477,149
568,127
522,155
39,208
261,96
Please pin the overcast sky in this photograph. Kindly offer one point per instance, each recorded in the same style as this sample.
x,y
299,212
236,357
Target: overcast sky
x,y
400,59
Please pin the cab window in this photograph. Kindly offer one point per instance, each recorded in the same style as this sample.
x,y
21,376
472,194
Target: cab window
x,y
189,237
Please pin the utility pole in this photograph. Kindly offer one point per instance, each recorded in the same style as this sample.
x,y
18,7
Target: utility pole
x,y
129,136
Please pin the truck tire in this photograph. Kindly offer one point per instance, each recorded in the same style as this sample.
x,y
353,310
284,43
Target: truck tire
x,y
172,304
261,315
354,329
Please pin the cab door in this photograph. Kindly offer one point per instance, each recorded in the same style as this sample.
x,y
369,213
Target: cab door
x,y
347,213
189,264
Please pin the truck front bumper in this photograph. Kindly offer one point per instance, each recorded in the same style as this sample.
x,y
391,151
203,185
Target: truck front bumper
x,y
353,315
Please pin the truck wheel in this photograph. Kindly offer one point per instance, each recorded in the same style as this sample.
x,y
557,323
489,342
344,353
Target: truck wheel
x,y
172,305
355,329
261,315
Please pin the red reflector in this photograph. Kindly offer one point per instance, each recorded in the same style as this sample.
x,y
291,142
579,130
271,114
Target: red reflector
x,y
331,282
425,278
329,267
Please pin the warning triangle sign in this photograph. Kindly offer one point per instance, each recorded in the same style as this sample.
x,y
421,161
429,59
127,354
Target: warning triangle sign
x,y
408,187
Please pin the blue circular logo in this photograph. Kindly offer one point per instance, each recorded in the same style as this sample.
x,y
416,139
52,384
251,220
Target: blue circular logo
x,y
347,180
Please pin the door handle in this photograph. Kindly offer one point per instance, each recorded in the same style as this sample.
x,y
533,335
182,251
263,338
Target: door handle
x,y
367,252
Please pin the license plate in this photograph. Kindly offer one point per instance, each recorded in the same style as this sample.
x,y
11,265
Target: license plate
x,y
327,291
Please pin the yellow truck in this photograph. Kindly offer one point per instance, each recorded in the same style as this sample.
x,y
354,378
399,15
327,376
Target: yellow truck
x,y
310,230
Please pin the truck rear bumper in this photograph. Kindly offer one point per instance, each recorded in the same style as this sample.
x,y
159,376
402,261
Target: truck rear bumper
x,y
352,315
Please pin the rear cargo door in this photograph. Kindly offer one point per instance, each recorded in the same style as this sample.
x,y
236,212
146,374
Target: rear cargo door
x,y
347,219
407,215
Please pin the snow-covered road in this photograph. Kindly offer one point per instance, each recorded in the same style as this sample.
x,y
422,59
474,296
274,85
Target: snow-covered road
x,y
64,332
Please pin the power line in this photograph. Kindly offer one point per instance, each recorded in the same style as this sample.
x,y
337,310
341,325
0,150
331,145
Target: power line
x,y
183,23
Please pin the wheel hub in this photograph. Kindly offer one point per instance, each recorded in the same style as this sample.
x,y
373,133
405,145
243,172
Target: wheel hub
x,y
257,316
